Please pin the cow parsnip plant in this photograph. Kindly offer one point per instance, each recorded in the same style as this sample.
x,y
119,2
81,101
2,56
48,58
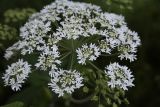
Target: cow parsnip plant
x,y
68,41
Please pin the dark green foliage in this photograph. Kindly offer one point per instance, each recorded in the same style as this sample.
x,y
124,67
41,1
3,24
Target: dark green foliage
x,y
17,16
7,33
33,97
14,104
145,19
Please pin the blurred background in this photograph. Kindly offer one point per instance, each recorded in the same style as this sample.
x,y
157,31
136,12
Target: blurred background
x,y
143,16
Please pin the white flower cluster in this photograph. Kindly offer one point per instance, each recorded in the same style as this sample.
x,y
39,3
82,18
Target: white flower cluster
x,y
90,52
65,81
16,74
119,76
64,20
48,59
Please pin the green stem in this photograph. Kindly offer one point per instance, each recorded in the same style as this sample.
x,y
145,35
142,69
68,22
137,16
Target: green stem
x,y
80,101
65,56
110,54
97,78
72,45
72,54
63,47
94,66
81,41
91,39
71,62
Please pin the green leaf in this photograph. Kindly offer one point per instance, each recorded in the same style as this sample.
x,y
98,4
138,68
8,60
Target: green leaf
x,y
14,104
33,97
38,79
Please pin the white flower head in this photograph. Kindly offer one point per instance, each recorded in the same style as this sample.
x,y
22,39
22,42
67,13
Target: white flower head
x,y
90,52
32,34
16,74
49,58
65,81
47,34
119,76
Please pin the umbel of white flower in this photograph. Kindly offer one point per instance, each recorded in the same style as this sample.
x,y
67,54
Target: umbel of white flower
x,y
119,76
80,30
65,81
16,74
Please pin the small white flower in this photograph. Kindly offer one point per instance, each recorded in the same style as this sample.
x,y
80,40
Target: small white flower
x,y
90,52
16,74
128,46
119,76
65,81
